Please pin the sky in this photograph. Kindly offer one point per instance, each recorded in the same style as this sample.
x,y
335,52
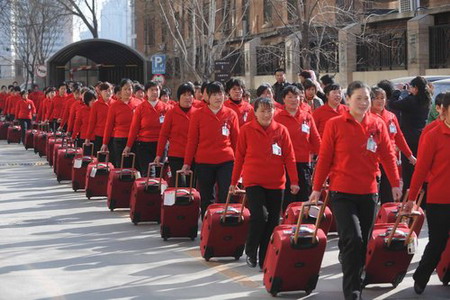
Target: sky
x,y
78,25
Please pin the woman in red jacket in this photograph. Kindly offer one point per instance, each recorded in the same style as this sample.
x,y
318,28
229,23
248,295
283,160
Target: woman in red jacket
x,y
212,138
81,126
433,160
175,129
397,139
305,139
263,152
332,108
24,112
97,117
118,121
145,127
235,89
352,147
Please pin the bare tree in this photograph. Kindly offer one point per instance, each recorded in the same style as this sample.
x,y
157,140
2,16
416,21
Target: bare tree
x,y
32,26
211,27
88,16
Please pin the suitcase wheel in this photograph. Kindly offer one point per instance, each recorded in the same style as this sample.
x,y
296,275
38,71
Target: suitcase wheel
x,y
9,142
165,232
88,194
75,186
445,283
112,205
194,233
276,286
58,179
398,279
239,252
135,219
208,253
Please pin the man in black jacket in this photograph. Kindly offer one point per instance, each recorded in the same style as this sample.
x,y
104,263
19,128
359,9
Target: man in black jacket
x,y
280,76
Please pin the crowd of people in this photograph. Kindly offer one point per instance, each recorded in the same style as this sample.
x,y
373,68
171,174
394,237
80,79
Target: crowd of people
x,y
282,147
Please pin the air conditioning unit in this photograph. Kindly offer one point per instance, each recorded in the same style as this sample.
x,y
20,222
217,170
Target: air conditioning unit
x,y
408,5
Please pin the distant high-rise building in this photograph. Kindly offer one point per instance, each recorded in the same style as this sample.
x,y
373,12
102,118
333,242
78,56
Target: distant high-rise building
x,y
115,21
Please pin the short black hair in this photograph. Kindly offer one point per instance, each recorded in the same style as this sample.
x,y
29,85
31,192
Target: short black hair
x,y
138,87
331,87
439,99
151,84
290,89
262,88
446,101
387,86
22,92
234,82
204,85
116,89
124,82
279,70
62,84
165,91
356,85
17,89
89,96
327,79
49,90
305,74
104,86
263,102
215,87
299,85
309,84
183,88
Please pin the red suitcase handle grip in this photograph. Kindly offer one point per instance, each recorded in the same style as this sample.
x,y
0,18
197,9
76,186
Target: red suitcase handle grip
x,y
191,180
150,165
227,203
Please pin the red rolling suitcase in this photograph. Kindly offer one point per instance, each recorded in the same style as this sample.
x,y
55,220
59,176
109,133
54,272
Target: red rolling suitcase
x,y
146,197
64,161
97,175
443,268
80,164
40,141
13,135
390,250
4,129
120,182
224,229
388,212
180,211
52,143
293,209
294,256
29,138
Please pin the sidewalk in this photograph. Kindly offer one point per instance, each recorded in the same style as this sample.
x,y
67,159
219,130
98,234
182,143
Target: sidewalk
x,y
56,244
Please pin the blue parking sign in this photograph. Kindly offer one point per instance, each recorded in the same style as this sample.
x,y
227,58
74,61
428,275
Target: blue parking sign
x,y
159,64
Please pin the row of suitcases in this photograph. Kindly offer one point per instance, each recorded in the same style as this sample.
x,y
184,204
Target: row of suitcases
x,y
296,248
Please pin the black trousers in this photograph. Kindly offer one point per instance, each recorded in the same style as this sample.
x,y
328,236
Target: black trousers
x,y
54,125
407,168
118,144
385,190
210,174
355,215
264,205
98,141
175,164
25,124
145,153
438,218
304,172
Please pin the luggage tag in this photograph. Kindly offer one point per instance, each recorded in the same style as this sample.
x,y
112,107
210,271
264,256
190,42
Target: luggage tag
x,y
163,188
276,150
245,116
225,130
372,145
93,172
161,119
169,198
412,246
137,175
305,128
392,128
78,163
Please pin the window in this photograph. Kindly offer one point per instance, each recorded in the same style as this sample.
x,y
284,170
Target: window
x,y
267,12
149,31
245,17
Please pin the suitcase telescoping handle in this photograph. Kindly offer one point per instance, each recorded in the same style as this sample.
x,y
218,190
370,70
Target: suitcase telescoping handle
x,y
227,203
70,144
106,154
191,180
321,214
132,161
413,215
85,150
318,220
161,172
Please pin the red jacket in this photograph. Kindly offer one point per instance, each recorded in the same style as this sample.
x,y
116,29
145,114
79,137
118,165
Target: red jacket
x,y
66,111
25,109
57,107
119,118
73,113
37,97
305,107
425,131
395,133
175,130
41,110
199,104
81,123
147,122
48,104
345,158
97,117
244,111
212,137
11,103
303,133
256,160
326,112
3,100
433,159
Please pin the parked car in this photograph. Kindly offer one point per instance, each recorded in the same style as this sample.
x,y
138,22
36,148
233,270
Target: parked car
x,y
440,86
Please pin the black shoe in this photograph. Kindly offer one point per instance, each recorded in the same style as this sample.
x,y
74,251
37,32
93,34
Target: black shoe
x,y
251,261
356,295
418,288
340,257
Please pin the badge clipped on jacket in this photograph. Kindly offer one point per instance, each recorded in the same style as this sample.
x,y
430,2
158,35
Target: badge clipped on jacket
x,y
245,116
371,145
276,150
161,119
305,128
29,106
225,130
392,128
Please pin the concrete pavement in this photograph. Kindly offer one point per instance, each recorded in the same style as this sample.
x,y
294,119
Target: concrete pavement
x,y
56,244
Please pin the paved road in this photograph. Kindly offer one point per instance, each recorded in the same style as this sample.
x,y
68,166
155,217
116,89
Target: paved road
x,y
56,244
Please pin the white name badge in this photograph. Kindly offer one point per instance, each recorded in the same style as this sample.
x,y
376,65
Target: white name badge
x,y
276,150
392,128
371,145
305,128
161,119
225,130
77,163
29,106
245,116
